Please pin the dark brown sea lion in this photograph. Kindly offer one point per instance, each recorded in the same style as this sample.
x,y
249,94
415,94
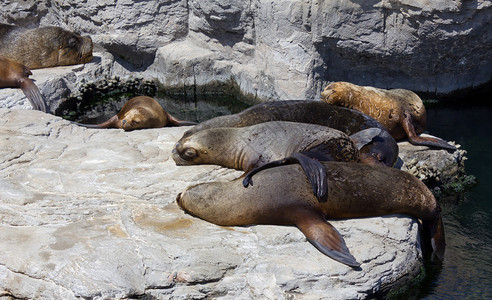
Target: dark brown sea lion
x,y
44,47
401,111
139,113
382,150
245,148
283,196
15,75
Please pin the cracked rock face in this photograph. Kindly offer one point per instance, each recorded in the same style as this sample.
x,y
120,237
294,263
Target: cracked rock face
x,y
284,49
92,213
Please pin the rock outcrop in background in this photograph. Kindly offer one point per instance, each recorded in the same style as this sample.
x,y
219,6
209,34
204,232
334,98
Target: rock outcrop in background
x,y
284,49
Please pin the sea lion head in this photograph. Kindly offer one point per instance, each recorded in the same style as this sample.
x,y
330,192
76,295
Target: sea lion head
x,y
66,47
382,150
335,93
198,199
202,147
134,119
189,153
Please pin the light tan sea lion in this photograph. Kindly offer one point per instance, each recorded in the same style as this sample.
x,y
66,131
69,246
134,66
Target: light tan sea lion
x,y
401,111
44,47
283,196
254,146
15,75
139,113
382,150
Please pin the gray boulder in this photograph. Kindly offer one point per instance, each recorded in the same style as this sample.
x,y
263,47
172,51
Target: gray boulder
x,y
92,214
285,49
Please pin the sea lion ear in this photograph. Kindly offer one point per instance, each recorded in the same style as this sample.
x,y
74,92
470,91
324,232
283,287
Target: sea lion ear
x,y
365,136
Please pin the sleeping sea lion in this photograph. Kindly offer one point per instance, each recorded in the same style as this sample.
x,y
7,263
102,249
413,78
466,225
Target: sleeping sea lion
x,y
44,47
249,147
401,111
245,148
139,113
283,196
15,75
382,150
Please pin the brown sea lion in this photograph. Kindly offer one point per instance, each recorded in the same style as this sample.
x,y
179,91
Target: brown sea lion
x,y
44,47
15,75
245,148
382,150
401,111
283,196
139,113
253,146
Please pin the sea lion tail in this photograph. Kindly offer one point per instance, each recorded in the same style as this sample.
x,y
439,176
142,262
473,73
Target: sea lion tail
x,y
110,123
365,136
177,122
324,236
33,95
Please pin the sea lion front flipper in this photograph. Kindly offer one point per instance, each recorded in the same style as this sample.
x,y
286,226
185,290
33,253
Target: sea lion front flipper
x,y
365,136
313,169
414,139
33,95
323,236
110,123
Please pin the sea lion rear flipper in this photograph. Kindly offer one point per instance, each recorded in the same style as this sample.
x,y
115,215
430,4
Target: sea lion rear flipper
x,y
177,122
414,139
313,169
435,230
33,95
324,236
365,136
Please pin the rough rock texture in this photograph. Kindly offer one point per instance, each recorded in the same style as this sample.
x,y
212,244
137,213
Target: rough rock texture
x,y
284,49
92,213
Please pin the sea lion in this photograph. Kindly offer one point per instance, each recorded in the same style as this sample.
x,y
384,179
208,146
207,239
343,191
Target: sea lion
x,y
283,196
138,113
44,47
253,146
401,111
15,75
382,150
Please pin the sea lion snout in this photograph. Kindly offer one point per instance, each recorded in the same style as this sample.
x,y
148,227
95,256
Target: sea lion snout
x,y
178,199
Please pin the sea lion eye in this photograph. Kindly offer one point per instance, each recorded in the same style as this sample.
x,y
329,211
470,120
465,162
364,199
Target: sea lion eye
x,y
189,153
72,42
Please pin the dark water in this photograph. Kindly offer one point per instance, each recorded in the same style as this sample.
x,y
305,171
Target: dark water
x,y
467,269
184,108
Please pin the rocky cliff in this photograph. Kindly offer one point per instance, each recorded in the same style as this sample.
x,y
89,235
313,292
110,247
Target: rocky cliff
x,y
284,49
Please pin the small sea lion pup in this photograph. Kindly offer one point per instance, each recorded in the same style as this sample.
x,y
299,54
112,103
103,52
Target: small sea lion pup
x,y
139,113
44,47
254,146
283,196
382,150
401,111
15,75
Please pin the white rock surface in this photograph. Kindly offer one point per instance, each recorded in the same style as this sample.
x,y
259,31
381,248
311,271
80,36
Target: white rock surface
x,y
92,214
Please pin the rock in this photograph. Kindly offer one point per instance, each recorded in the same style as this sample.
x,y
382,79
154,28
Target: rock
x,y
285,49
92,214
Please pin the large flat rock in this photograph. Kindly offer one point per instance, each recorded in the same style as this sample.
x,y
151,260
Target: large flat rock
x,y
92,214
